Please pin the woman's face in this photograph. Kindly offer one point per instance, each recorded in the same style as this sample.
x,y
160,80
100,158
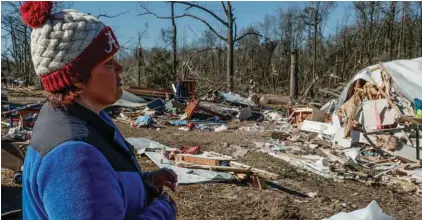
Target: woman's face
x,y
104,86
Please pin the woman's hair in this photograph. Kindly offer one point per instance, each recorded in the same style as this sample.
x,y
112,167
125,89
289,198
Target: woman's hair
x,y
67,96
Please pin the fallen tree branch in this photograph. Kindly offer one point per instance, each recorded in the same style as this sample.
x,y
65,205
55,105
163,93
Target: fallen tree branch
x,y
328,92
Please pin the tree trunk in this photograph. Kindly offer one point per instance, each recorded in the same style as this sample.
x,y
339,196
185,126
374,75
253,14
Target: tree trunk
x,y
315,44
401,40
174,40
230,45
139,72
293,75
391,29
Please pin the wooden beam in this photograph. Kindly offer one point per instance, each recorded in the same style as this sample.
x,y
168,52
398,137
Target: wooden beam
x,y
255,171
214,168
195,159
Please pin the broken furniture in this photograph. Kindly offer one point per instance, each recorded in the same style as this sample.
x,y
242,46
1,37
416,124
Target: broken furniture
x,y
300,113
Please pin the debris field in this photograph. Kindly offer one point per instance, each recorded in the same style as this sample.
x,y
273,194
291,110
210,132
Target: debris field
x,y
264,156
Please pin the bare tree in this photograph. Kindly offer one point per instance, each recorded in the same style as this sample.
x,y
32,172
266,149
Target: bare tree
x,y
173,18
18,35
174,39
229,22
314,15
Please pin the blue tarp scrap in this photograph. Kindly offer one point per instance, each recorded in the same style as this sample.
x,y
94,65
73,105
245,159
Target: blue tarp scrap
x,y
418,107
143,121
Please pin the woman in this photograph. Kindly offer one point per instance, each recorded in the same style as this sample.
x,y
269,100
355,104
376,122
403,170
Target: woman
x,y
78,166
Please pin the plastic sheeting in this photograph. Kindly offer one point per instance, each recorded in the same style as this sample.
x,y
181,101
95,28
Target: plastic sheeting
x,y
142,143
189,176
371,212
184,175
407,75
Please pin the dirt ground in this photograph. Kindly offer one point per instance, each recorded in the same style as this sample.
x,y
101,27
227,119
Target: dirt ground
x,y
232,201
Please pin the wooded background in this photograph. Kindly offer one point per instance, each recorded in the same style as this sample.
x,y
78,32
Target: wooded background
x,y
259,56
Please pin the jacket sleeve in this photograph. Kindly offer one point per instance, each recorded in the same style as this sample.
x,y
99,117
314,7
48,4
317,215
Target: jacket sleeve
x,y
77,182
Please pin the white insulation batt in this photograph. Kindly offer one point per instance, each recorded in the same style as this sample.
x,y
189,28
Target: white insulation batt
x,y
406,74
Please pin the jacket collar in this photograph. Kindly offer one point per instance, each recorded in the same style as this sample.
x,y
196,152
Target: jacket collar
x,y
92,118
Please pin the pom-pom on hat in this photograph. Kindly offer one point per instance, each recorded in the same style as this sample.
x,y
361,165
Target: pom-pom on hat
x,y
66,44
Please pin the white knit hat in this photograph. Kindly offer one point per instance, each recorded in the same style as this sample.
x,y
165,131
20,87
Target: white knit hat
x,y
66,44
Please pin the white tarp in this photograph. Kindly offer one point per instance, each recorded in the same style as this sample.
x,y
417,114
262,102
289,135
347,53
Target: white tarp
x,y
184,175
406,74
371,212
143,143
189,176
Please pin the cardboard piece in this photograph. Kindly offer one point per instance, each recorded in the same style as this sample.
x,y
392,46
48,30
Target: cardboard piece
x,y
318,127
372,108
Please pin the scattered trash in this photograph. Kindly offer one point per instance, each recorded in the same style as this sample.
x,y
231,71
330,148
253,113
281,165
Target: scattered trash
x,y
223,127
191,125
179,122
184,129
255,127
171,155
352,153
312,194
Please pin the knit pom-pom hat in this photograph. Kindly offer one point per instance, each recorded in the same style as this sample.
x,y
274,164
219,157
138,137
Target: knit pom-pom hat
x,y
66,44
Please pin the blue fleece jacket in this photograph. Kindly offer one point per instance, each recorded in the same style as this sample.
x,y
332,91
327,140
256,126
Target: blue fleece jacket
x,y
75,181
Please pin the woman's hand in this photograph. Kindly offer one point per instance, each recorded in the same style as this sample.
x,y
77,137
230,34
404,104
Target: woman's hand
x,y
163,177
